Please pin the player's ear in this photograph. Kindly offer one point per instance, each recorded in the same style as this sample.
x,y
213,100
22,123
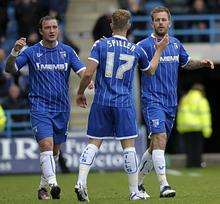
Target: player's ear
x,y
40,31
152,25
128,26
111,25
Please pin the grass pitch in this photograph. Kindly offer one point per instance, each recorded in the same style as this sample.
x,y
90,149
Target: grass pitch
x,y
199,186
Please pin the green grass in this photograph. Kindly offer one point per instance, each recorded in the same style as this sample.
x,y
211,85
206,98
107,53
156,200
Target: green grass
x,y
199,186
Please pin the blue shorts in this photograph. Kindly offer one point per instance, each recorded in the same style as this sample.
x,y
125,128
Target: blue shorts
x,y
52,124
159,119
112,122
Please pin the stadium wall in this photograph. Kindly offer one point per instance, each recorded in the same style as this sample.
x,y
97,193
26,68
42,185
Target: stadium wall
x,y
204,51
21,155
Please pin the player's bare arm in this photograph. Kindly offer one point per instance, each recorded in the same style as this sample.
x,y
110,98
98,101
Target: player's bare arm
x,y
85,81
197,64
160,46
10,64
91,84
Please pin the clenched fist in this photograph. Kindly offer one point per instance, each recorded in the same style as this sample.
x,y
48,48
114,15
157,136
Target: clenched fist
x,y
19,44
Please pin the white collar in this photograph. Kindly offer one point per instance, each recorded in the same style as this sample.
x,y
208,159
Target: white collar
x,y
153,35
41,42
120,36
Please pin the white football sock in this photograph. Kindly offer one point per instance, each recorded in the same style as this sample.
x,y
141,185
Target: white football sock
x,y
160,166
43,182
131,168
48,167
145,167
86,160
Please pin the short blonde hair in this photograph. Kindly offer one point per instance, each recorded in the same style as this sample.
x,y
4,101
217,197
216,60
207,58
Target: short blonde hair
x,y
120,19
159,10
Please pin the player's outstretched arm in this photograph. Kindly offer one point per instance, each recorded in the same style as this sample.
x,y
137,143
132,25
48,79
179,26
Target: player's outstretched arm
x,y
10,63
85,81
160,46
91,84
197,64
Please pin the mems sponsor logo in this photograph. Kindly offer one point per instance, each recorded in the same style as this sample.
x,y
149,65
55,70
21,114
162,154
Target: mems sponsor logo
x,y
52,67
170,58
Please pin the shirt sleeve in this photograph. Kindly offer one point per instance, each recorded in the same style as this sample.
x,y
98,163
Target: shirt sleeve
x,y
94,54
183,56
21,60
76,64
143,60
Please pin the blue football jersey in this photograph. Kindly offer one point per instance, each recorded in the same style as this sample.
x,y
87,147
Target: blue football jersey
x,y
161,88
117,58
49,70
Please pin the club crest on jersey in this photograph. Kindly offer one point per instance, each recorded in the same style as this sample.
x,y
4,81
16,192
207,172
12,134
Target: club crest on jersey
x,y
175,45
63,54
155,122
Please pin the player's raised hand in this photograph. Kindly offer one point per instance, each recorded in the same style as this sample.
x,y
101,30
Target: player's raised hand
x,y
208,63
81,100
19,44
161,45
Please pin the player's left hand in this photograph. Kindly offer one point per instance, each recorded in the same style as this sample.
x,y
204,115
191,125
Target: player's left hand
x,y
208,63
91,85
81,100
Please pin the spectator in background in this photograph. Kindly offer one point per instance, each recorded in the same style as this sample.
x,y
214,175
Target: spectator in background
x,y
123,4
180,7
102,27
214,6
149,5
2,119
5,79
57,9
5,82
2,59
136,10
3,19
15,101
25,13
194,123
199,7
54,8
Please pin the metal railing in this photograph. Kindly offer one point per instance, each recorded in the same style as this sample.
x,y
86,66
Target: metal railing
x,y
212,30
22,128
17,128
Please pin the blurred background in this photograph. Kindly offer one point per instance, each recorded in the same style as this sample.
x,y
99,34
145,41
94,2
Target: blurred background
x,y
196,23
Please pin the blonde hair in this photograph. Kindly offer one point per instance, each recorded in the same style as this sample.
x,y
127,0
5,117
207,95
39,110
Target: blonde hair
x,y
159,10
120,19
